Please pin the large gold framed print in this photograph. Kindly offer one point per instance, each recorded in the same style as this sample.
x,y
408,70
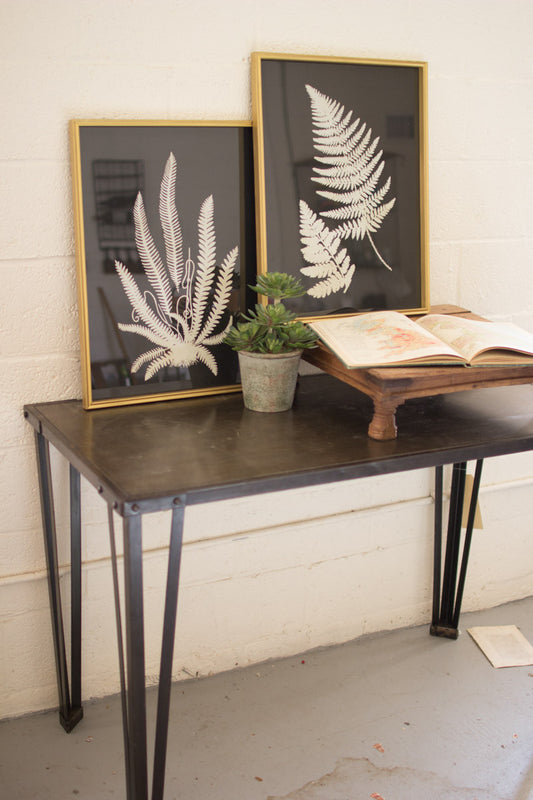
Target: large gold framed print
x,y
340,150
165,245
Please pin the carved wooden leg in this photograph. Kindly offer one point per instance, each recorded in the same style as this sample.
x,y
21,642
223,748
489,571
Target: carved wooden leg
x,y
383,425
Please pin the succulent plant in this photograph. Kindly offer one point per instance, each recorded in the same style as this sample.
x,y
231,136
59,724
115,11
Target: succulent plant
x,y
272,328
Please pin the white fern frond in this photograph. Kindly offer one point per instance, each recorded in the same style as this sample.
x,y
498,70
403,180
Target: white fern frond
x,y
370,221
182,325
206,232
321,270
336,156
206,263
181,354
139,304
218,338
339,180
170,222
361,214
360,167
205,357
321,249
182,333
353,193
315,250
347,136
148,356
142,330
318,242
352,169
222,294
150,258
164,360
333,283
342,264
313,232
332,110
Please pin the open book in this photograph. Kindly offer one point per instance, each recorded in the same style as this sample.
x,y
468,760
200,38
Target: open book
x,y
388,338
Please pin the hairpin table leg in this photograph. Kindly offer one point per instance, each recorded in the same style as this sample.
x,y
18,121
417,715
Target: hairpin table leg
x,y
70,710
447,604
132,660
76,711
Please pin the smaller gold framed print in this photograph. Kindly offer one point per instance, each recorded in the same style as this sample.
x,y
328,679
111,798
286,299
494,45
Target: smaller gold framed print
x,y
165,245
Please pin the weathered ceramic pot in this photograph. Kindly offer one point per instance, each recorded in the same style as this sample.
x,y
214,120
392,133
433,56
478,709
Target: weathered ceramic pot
x,y
269,380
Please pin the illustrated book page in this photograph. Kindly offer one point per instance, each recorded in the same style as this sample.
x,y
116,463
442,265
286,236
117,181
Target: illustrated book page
x,y
389,338
382,338
480,342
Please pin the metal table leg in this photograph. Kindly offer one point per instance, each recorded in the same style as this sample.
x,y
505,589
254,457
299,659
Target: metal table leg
x,y
132,657
75,597
70,709
447,603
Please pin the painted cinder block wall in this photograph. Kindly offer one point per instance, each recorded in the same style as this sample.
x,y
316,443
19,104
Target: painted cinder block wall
x,y
276,575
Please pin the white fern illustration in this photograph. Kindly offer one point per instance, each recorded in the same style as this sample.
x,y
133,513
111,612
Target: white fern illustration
x,y
350,175
321,249
174,316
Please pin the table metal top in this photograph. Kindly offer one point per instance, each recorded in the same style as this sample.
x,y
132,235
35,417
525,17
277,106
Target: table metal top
x,y
143,457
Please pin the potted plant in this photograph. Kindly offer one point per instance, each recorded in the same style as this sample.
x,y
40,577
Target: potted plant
x,y
270,340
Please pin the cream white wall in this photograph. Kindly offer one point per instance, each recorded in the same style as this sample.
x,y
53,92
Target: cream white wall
x,y
276,575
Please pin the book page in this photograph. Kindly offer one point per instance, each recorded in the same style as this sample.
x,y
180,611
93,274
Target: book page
x,y
470,337
381,338
504,645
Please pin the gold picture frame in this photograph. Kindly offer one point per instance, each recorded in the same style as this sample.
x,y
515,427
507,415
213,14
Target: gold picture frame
x,y
340,151
165,250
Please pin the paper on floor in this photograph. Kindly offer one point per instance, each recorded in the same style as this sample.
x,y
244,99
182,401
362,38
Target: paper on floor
x,y
504,645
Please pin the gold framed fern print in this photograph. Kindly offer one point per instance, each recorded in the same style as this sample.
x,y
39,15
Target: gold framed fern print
x,y
165,246
340,150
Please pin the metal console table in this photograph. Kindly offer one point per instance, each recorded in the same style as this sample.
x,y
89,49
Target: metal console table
x,y
169,455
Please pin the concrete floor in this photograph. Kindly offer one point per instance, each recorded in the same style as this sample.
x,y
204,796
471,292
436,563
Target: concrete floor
x,y
397,716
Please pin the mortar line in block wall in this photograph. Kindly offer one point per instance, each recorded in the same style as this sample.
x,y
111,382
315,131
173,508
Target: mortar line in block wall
x,y
155,552
150,552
